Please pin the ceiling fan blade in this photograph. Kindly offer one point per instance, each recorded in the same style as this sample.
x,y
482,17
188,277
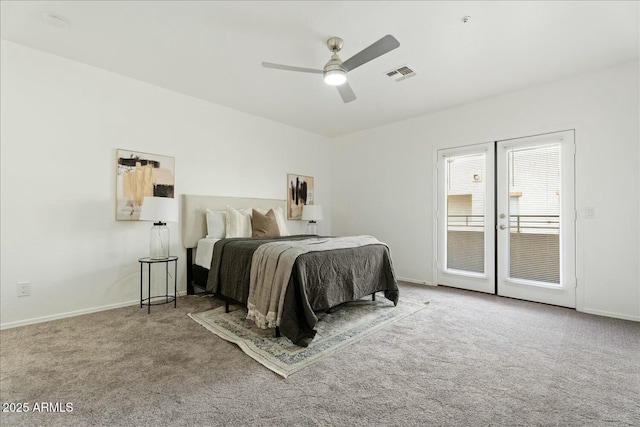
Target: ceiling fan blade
x,y
346,92
290,68
379,48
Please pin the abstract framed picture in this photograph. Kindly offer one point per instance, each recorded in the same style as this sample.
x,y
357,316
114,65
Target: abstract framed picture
x,y
299,193
139,175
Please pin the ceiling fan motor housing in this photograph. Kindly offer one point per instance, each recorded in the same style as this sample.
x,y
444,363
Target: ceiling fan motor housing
x,y
335,44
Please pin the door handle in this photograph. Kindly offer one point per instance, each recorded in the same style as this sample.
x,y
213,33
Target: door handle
x,y
502,227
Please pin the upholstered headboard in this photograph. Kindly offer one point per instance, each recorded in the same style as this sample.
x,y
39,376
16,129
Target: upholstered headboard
x,y
194,223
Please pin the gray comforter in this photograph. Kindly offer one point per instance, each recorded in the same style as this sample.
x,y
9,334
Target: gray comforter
x,y
319,280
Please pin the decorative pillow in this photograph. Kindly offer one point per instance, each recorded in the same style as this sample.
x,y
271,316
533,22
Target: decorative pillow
x,y
282,224
264,225
238,222
216,227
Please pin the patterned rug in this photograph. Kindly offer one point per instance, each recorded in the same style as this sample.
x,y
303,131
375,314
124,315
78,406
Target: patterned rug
x,y
343,326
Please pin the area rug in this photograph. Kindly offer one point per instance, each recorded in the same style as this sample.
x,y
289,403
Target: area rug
x,y
343,326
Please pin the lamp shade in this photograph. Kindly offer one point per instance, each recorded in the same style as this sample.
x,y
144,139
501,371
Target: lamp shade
x,y
161,209
312,213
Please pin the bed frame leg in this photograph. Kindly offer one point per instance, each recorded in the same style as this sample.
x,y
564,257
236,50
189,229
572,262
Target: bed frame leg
x,y
190,289
373,296
226,305
278,332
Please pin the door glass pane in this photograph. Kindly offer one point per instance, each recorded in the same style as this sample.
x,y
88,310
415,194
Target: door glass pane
x,y
466,212
534,213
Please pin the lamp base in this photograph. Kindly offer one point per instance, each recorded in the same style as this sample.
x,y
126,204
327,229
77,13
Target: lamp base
x,y
159,241
312,227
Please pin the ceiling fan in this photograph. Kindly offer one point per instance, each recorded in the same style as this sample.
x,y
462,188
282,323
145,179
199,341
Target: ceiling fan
x,y
335,71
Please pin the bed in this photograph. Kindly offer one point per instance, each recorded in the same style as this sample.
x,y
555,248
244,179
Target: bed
x,y
319,279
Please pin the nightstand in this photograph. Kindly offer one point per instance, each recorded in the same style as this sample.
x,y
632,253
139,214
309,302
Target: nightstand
x,y
159,299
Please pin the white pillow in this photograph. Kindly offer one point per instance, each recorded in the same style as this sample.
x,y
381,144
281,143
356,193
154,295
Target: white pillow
x,y
216,224
238,222
282,224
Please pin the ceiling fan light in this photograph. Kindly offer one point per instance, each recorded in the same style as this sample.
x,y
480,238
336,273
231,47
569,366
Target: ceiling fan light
x,y
334,72
335,77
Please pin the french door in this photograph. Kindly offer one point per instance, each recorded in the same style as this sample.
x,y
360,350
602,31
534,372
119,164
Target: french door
x,y
506,218
466,224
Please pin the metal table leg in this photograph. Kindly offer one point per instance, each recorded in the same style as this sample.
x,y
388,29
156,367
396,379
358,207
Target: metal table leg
x,y
149,294
141,266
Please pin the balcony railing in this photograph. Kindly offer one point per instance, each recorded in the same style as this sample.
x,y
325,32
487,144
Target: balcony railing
x,y
535,224
461,222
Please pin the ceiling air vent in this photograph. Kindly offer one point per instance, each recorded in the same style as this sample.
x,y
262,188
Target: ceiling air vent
x,y
400,73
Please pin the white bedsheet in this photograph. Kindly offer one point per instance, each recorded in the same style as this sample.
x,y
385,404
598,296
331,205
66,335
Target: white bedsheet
x,y
204,252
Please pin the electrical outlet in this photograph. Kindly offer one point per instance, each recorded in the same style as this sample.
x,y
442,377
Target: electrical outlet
x,y
590,212
24,289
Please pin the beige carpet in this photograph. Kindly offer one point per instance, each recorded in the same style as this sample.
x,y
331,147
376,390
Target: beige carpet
x,y
469,359
340,328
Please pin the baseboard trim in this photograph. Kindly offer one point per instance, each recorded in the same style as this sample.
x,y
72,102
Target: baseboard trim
x,y
410,280
9,325
610,314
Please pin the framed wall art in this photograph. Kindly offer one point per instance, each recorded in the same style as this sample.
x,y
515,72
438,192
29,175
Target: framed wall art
x,y
139,175
299,193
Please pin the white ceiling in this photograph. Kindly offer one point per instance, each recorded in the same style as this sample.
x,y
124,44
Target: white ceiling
x,y
214,50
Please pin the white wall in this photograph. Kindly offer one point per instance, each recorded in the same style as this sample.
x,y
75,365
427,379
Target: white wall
x,y
61,122
383,178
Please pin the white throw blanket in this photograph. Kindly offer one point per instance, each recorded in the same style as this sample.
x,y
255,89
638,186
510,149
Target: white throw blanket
x,y
271,268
